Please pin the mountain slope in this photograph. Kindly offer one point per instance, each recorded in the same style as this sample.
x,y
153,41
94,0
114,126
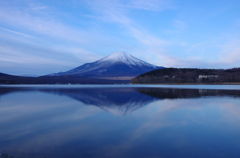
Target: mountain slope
x,y
115,65
13,79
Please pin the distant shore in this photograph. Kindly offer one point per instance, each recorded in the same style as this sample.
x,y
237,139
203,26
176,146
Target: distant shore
x,y
223,83
72,84
185,76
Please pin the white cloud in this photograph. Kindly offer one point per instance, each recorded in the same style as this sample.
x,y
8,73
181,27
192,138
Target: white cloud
x,y
41,25
14,55
30,35
18,33
118,12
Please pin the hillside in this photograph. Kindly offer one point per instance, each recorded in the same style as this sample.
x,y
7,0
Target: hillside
x,y
189,75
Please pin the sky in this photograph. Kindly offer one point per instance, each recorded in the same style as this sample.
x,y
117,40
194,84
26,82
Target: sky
x,y
39,37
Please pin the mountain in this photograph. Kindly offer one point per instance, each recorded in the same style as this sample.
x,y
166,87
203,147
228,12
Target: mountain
x,y
115,66
189,75
113,69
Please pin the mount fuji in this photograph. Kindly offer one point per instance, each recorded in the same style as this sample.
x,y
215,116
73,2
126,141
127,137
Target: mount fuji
x,y
117,66
113,69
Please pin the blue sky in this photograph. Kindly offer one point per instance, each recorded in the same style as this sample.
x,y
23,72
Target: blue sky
x,y
44,36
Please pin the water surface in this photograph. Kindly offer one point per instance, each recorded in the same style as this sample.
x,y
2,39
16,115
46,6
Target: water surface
x,y
119,121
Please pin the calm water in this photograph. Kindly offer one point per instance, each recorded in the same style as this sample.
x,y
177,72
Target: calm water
x,y
121,122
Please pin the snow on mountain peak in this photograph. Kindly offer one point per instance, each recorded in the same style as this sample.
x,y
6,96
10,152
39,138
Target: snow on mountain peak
x,y
118,56
124,58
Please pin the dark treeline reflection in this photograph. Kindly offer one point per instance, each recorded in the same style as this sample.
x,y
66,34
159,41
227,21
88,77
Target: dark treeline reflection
x,y
167,93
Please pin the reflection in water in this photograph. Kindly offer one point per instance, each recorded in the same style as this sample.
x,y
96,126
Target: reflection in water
x,y
59,123
164,93
121,100
125,100
116,100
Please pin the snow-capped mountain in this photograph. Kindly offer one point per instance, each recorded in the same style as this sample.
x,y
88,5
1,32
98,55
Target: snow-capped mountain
x,y
114,65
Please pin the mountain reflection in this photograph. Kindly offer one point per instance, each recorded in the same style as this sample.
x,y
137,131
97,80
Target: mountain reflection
x,y
115,100
124,100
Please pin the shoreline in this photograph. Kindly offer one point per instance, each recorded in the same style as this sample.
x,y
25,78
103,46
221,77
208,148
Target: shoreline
x,y
121,84
223,83
83,86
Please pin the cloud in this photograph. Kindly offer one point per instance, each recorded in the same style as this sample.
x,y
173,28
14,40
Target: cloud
x,y
116,11
25,35
150,5
230,53
19,56
40,24
224,55
19,40
46,23
31,35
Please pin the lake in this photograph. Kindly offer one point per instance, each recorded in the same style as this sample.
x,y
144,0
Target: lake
x,y
120,121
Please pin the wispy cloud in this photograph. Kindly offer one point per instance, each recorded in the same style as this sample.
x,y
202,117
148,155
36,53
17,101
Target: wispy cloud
x,y
24,56
153,47
32,35
150,5
40,24
25,35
